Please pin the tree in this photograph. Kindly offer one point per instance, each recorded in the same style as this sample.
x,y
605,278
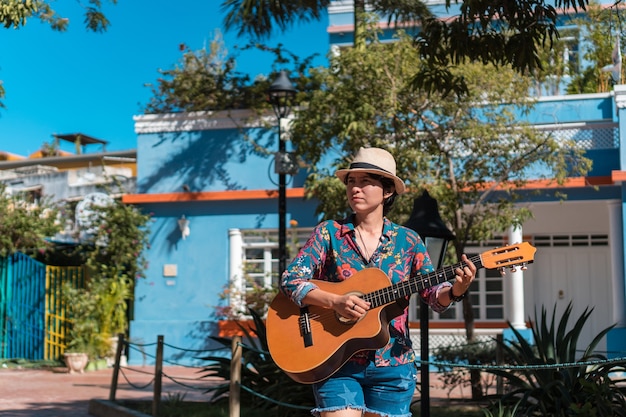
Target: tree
x,y
207,80
498,32
25,224
471,153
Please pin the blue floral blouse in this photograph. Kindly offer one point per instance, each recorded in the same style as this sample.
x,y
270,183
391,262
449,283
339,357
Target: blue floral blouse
x,y
332,254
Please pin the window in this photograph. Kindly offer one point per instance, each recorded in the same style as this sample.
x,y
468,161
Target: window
x,y
254,260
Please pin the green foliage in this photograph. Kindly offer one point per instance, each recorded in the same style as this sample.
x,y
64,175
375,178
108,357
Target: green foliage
x,y
599,30
589,390
206,80
260,374
117,246
15,13
87,313
25,224
114,260
506,34
250,17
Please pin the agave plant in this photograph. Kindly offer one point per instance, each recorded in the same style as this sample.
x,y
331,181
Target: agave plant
x,y
586,385
263,384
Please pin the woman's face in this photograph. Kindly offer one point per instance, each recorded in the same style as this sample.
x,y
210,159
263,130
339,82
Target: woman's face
x,y
364,192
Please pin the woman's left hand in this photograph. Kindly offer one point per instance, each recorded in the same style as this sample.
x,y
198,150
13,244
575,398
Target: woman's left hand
x,y
464,276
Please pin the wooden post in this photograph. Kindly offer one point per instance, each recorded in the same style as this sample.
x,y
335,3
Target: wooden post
x,y
234,397
116,366
499,361
158,377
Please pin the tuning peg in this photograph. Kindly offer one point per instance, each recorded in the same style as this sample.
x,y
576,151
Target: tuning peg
x,y
502,271
524,266
513,269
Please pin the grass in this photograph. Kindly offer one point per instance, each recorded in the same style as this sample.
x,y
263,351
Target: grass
x,y
29,364
175,407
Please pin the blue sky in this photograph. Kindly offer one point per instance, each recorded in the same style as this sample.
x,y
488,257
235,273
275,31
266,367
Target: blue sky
x,y
93,83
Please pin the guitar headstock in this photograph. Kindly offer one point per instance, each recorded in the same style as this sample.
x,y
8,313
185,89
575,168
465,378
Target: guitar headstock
x,y
519,254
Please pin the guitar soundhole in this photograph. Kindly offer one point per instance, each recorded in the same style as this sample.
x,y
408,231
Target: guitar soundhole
x,y
346,320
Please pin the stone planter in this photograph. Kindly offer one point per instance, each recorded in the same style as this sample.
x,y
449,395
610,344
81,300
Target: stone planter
x,y
76,361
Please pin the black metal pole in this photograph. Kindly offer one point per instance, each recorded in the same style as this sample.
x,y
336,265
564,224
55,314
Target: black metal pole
x,y
424,368
282,207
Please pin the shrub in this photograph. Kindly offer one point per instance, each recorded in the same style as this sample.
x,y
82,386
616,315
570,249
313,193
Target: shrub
x,y
579,387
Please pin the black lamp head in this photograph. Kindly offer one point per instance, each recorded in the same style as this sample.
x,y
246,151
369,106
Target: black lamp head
x,y
281,93
425,219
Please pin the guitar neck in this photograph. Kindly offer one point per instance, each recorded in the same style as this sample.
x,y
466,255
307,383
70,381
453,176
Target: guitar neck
x,y
416,284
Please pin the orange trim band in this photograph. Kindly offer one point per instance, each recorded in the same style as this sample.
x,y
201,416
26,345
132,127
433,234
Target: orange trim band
x,y
618,176
615,177
210,196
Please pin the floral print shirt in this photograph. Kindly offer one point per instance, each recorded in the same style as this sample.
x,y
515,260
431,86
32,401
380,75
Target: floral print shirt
x,y
332,254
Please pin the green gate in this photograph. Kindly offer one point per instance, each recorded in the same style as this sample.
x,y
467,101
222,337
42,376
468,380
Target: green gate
x,y
33,322
23,304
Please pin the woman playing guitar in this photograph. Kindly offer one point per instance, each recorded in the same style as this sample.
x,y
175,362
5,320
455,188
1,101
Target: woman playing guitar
x,y
372,382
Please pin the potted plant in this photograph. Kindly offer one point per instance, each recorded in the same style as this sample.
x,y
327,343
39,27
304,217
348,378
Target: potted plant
x,y
97,314
234,317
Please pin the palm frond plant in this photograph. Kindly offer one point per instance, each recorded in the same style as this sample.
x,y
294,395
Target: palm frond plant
x,y
263,384
587,384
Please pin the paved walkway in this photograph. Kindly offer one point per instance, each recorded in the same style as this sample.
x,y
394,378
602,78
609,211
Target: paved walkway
x,y
56,393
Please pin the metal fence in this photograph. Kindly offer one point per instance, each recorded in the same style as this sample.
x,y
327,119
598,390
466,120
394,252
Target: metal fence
x,y
33,323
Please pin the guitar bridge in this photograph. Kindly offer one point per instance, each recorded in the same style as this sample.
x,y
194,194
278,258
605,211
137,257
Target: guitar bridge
x,y
304,322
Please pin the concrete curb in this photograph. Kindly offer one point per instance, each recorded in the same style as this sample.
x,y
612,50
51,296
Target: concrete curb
x,y
105,408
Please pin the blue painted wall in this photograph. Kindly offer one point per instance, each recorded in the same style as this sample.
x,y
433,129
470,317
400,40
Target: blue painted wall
x,y
182,308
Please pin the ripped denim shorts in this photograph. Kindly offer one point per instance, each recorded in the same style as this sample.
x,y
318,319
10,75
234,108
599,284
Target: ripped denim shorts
x,y
386,390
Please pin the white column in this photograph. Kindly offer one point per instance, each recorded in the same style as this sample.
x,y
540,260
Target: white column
x,y
617,261
516,287
237,281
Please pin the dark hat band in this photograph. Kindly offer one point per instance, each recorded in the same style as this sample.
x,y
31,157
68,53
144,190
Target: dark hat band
x,y
365,165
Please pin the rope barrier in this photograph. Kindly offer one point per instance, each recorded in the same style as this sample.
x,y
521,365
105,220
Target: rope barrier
x,y
251,391
176,381
133,385
194,350
526,367
439,364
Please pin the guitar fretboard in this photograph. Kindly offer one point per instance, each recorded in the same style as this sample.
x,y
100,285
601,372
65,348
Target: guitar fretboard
x,y
416,284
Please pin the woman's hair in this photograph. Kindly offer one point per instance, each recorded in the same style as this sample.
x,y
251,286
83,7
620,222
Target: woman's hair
x,y
388,185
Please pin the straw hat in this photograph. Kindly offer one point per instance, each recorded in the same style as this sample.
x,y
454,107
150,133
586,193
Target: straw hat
x,y
375,161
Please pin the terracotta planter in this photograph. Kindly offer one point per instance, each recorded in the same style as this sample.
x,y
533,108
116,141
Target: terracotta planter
x,y
230,328
76,362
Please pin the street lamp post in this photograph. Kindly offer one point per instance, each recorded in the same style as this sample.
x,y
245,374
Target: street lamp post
x,y
281,94
426,221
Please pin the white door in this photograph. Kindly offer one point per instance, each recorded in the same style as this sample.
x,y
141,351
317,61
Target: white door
x,y
581,275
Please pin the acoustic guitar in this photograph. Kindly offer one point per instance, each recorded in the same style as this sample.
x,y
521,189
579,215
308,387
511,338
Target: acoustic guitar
x,y
311,343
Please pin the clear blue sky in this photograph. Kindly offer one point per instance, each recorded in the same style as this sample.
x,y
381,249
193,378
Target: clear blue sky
x,y
93,83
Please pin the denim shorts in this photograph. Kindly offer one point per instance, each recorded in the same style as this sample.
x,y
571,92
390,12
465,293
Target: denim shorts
x,y
386,390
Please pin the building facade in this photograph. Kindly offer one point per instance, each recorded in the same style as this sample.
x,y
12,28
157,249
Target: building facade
x,y
200,168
